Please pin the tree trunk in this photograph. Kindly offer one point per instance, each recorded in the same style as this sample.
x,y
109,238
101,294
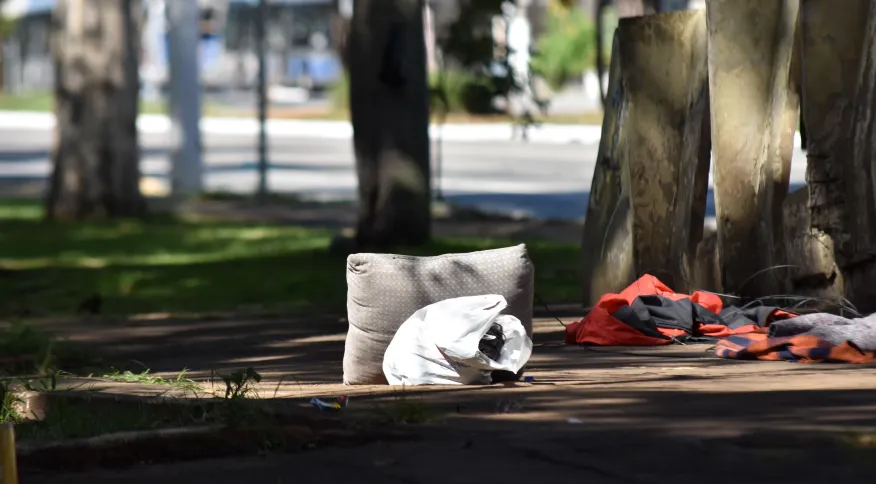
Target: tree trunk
x,y
96,46
389,107
754,108
648,195
820,227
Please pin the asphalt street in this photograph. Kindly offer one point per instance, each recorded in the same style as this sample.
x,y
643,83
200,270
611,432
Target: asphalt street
x,y
535,179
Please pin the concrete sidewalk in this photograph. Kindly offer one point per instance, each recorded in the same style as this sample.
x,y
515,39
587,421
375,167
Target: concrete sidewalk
x,y
657,415
336,130
474,132
677,389
541,457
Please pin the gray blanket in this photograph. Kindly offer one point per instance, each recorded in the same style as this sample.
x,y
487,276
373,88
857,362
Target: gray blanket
x,y
831,328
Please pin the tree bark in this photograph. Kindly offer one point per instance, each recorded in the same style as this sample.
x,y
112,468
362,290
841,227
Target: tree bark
x,y
648,196
96,46
858,255
389,107
754,110
820,218
832,43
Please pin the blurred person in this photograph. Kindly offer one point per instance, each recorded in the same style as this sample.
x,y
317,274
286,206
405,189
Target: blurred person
x,y
521,102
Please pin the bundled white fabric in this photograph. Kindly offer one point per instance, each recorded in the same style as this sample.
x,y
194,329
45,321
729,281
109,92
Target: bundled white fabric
x,y
438,345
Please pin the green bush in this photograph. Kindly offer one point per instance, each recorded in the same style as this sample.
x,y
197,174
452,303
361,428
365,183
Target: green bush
x,y
465,92
567,49
477,97
339,93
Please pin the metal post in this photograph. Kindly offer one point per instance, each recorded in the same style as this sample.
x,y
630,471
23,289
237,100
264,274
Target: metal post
x,y
261,49
434,61
185,96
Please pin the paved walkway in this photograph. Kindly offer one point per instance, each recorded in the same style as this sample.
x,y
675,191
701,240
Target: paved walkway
x,y
656,415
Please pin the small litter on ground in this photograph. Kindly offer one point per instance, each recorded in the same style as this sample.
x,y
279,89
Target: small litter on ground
x,y
335,406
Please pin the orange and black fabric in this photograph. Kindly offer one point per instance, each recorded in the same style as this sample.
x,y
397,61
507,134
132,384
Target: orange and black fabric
x,y
800,348
649,313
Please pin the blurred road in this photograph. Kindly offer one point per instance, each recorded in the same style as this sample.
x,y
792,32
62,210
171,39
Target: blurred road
x,y
536,179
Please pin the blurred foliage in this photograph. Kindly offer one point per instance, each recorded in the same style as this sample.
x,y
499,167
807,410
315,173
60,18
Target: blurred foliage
x,y
7,25
465,92
339,92
568,47
468,40
470,78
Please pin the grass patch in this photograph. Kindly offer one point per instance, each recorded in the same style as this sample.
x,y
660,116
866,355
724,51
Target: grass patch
x,y
166,265
72,419
146,378
25,350
403,409
44,101
233,403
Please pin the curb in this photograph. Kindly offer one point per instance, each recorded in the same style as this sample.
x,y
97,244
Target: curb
x,y
292,428
186,444
336,130
333,130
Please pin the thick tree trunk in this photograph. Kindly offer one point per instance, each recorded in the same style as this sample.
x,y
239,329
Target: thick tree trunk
x,y
96,46
648,196
389,106
820,228
754,109
835,233
832,42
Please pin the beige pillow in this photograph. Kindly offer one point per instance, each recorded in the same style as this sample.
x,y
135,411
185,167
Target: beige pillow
x,y
384,290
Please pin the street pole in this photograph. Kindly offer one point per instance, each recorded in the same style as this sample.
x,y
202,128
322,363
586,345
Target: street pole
x,y
261,48
185,96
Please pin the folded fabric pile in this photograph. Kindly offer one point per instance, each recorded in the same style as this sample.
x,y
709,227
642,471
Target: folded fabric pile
x,y
649,313
818,337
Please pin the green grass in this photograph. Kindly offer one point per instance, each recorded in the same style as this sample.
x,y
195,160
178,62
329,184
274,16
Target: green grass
x,y
168,265
71,419
146,378
78,415
43,101
403,409
25,350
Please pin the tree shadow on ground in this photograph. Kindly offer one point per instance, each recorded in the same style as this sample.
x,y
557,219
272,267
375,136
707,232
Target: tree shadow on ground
x,y
668,414
166,265
631,415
